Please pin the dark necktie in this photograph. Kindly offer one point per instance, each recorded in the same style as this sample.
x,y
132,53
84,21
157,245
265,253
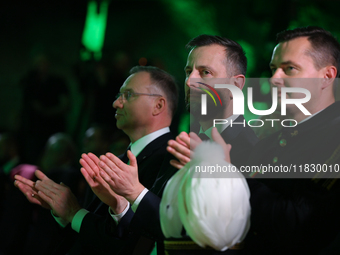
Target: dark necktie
x,y
125,158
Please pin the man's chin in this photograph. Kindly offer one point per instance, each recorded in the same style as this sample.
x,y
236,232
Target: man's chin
x,y
119,125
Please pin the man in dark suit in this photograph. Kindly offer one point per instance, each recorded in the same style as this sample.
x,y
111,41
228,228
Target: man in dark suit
x,y
145,107
215,60
300,215
211,59
298,212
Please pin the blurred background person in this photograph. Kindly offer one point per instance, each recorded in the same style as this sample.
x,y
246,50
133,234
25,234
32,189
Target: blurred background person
x,y
25,226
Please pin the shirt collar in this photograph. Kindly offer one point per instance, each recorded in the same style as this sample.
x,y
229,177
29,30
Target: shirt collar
x,y
220,127
141,143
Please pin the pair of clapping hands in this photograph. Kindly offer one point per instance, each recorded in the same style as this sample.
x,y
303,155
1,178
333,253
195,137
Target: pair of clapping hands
x,y
114,182
184,145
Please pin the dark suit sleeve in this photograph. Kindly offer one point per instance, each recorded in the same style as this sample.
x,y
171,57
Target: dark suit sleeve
x,y
102,238
106,233
146,219
99,233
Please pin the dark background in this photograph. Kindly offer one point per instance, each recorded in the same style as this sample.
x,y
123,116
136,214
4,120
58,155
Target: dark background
x,y
155,30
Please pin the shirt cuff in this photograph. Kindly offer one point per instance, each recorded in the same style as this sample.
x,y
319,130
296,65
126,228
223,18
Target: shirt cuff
x,y
60,221
118,217
78,219
135,204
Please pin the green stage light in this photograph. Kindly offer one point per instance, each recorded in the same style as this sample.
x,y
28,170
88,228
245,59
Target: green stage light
x,y
95,26
194,17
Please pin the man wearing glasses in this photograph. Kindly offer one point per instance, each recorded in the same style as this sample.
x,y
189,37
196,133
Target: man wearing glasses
x,y
211,58
144,109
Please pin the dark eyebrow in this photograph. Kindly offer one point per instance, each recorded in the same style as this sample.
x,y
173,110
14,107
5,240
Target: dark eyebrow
x,y
199,67
289,63
205,67
285,64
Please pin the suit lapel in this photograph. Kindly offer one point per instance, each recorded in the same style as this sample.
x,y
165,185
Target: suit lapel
x,y
230,133
153,146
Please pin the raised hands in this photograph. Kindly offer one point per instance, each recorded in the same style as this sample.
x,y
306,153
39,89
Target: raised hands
x,y
101,188
122,178
216,136
50,195
27,187
184,145
182,148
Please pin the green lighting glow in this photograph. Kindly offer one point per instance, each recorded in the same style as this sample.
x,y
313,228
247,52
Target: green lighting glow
x,y
249,50
85,55
95,26
265,88
184,123
192,17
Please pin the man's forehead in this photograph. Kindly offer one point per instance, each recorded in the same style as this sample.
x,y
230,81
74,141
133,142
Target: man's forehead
x,y
276,55
207,54
292,49
137,81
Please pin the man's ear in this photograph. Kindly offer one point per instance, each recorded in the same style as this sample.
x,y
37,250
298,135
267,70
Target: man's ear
x,y
239,80
159,106
329,76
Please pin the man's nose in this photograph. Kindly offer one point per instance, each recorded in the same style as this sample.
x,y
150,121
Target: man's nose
x,y
192,79
117,103
277,78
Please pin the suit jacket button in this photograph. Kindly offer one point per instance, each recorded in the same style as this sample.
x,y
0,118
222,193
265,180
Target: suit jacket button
x,y
283,142
275,159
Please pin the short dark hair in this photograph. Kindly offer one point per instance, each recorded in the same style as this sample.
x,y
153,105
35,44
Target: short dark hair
x,y
235,55
164,81
326,48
